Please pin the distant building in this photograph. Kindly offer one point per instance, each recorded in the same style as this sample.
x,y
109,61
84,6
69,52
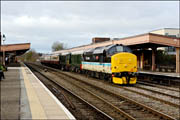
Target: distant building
x,y
99,39
170,32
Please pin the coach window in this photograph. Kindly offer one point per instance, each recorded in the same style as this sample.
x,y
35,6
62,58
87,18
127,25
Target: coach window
x,y
87,58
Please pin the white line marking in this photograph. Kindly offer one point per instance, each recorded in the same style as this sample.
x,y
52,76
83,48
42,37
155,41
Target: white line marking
x,y
163,74
14,68
54,97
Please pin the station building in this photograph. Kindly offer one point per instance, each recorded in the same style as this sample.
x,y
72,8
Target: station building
x,y
171,32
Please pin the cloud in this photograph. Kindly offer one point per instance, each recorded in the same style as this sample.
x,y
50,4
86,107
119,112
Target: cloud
x,y
75,23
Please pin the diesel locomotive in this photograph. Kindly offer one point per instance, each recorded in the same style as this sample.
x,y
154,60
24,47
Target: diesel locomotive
x,y
115,63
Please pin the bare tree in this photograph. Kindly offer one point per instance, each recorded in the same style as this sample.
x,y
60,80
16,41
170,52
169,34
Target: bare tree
x,y
30,56
57,46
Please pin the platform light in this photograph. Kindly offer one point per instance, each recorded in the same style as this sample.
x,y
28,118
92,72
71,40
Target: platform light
x,y
4,38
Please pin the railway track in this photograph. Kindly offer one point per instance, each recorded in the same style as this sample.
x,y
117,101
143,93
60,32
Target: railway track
x,y
159,79
79,107
134,109
158,92
101,103
169,99
159,86
140,92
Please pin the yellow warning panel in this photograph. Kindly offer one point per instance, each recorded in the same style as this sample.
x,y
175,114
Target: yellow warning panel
x,y
123,80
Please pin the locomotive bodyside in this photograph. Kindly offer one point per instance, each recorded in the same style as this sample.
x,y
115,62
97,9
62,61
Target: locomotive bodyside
x,y
97,67
76,61
115,63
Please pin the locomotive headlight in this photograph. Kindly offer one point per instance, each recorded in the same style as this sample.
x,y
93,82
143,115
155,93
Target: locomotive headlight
x,y
125,65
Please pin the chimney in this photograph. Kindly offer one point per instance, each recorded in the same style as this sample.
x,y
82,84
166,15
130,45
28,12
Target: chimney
x,y
98,39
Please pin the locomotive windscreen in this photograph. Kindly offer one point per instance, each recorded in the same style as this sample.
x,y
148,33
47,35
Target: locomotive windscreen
x,y
119,48
127,49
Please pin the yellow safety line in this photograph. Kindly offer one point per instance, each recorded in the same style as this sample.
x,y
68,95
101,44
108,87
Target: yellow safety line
x,y
36,108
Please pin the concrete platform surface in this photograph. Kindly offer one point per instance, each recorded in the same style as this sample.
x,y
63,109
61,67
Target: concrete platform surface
x,y
23,96
10,95
177,75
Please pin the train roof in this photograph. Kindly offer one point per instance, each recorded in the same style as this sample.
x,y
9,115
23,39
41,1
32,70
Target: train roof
x,y
60,52
54,54
100,50
89,51
77,52
65,53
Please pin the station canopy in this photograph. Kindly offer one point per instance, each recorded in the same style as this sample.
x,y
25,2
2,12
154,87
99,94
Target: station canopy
x,y
15,49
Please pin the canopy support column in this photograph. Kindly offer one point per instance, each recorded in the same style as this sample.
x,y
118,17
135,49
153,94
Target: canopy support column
x,y
142,61
153,59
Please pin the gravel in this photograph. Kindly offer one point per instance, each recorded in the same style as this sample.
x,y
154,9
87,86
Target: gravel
x,y
157,105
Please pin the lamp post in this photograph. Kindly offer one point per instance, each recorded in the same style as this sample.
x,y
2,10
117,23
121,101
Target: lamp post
x,y
0,48
0,40
4,38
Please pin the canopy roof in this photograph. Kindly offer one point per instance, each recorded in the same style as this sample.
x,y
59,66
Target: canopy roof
x,y
15,49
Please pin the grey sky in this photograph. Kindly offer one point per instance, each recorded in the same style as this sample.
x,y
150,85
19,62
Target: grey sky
x,y
75,23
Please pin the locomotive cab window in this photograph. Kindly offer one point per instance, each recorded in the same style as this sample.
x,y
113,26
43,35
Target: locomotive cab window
x,y
119,48
87,58
127,49
112,51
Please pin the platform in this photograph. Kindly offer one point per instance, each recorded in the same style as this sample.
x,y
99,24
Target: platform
x,y
166,74
23,96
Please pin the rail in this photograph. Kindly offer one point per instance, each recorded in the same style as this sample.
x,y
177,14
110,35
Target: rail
x,y
160,114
